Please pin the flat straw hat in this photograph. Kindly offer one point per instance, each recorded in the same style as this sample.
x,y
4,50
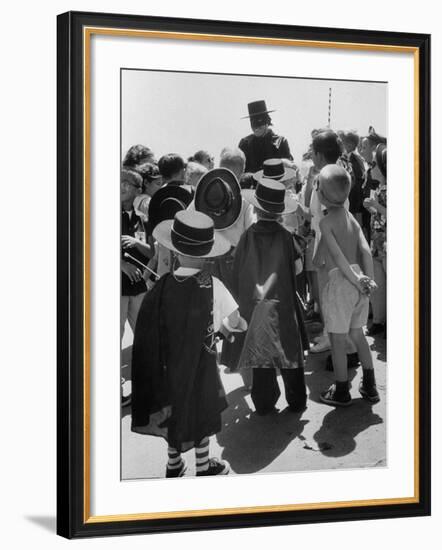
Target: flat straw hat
x,y
274,169
218,195
191,234
271,197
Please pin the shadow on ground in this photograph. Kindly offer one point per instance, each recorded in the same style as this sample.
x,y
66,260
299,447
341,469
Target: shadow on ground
x,y
317,378
340,427
252,442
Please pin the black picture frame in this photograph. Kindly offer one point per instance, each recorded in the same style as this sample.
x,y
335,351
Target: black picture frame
x,y
72,392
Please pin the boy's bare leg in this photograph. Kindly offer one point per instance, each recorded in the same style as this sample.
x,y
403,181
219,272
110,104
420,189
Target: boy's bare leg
x,y
338,393
339,356
358,338
367,387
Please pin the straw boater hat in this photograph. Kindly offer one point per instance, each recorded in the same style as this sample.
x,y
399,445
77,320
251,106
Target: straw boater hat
x,y
270,193
218,195
274,169
166,202
257,108
191,234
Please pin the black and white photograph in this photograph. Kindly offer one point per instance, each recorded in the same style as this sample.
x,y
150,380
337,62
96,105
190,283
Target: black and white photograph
x,y
253,307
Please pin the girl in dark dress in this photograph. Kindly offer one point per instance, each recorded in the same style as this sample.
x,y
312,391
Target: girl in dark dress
x,y
176,388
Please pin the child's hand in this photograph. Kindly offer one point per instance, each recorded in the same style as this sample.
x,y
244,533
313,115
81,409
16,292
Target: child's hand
x,y
127,241
366,285
131,271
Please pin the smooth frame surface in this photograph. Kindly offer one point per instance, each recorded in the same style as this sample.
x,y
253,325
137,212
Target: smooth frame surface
x,y
73,506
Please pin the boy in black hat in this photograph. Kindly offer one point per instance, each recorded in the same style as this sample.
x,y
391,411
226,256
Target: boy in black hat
x,y
177,391
263,143
264,284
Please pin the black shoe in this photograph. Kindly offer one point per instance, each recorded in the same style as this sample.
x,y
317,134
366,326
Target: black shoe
x,y
216,468
338,398
352,362
370,393
376,328
177,472
367,387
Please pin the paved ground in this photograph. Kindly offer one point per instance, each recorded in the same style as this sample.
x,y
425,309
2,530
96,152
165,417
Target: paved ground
x,y
320,438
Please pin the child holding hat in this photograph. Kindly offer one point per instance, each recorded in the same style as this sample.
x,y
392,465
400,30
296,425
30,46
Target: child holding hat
x,y
345,296
176,389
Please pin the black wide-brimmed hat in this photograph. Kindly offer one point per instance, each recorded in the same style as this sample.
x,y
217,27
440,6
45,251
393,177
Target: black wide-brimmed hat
x,y
274,169
218,194
271,197
165,203
381,158
191,234
257,108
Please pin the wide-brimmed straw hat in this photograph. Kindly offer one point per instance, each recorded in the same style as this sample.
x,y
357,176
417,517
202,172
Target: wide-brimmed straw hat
x,y
257,108
271,197
274,169
191,234
218,194
166,202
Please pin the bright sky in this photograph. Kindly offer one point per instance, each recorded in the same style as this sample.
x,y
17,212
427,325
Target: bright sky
x,y
184,112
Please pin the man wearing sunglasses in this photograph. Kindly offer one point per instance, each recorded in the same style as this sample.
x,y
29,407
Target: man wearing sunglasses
x,y
262,144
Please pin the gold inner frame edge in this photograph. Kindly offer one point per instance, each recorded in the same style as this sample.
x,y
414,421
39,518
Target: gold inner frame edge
x,y
87,33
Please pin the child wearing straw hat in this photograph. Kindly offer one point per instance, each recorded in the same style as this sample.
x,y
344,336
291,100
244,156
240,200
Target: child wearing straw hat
x,y
264,283
176,390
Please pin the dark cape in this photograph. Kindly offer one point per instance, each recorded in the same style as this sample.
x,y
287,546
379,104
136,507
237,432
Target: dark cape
x,y
276,337
176,388
259,149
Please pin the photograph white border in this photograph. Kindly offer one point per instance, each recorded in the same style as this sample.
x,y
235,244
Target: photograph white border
x,y
110,495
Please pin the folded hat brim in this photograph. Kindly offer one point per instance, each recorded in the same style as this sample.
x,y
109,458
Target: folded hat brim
x,y
289,173
259,114
227,219
290,203
162,233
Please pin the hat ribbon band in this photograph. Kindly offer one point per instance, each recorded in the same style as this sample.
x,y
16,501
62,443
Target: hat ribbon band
x,y
191,242
273,177
269,202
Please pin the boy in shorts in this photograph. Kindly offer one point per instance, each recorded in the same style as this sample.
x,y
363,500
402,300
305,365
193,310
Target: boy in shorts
x,y
345,296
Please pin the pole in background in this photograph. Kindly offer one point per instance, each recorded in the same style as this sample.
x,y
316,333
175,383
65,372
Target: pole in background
x,y
329,106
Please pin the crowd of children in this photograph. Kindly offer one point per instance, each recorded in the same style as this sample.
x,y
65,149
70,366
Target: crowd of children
x,y
221,266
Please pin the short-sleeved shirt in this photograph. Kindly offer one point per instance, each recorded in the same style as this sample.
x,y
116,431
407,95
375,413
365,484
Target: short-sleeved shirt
x,y
223,302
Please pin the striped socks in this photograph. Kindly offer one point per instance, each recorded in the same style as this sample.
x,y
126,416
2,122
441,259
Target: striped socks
x,y
174,459
202,455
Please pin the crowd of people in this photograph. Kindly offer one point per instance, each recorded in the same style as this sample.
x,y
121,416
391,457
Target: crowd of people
x,y
231,264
